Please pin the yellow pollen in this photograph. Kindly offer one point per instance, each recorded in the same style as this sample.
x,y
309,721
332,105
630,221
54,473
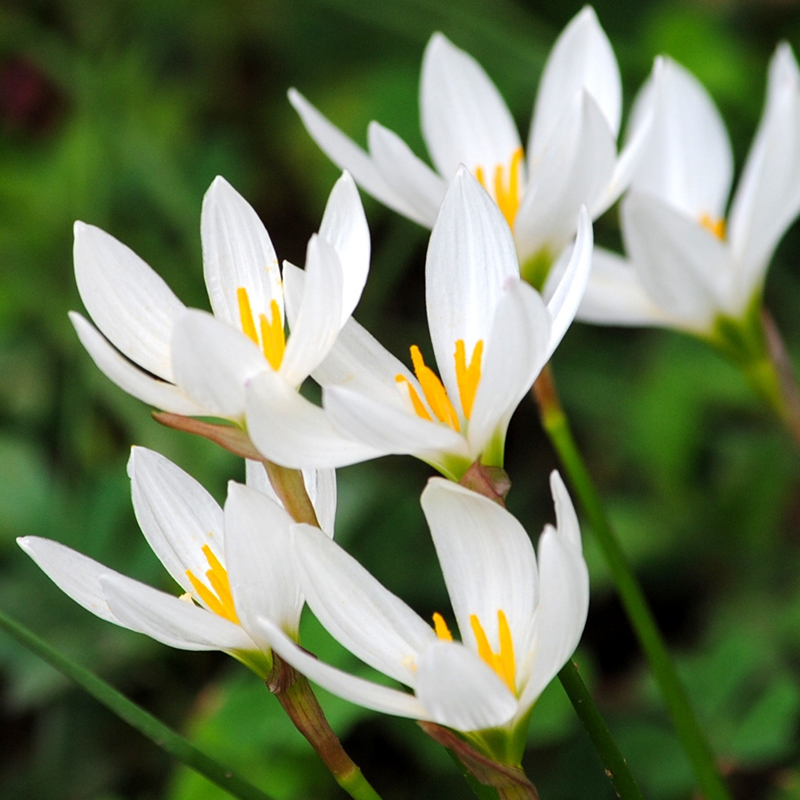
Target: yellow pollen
x,y
440,626
434,392
218,598
715,226
502,662
273,339
246,314
468,377
506,192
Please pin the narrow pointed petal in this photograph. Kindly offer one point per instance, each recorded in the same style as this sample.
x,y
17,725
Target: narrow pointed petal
x,y
213,362
684,268
344,227
293,432
319,317
131,305
581,58
410,177
574,169
77,575
170,620
464,118
460,691
768,197
566,517
263,583
176,514
356,690
687,161
128,377
471,255
237,253
346,154
487,560
356,609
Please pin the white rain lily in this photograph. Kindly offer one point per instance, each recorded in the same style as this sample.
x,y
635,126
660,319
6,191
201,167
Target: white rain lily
x,y
192,363
491,333
571,154
518,622
688,267
232,566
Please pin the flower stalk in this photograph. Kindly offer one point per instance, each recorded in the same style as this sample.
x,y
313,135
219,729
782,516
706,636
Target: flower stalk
x,y
694,742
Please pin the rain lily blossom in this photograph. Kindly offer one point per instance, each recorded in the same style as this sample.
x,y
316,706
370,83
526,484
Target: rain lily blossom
x,y
518,622
689,266
192,363
231,564
570,159
491,333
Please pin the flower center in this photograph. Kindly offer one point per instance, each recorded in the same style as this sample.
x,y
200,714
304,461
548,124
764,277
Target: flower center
x,y
218,598
505,185
715,226
467,377
273,339
502,662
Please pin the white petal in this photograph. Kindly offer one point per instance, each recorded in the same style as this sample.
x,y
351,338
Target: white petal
x,y
344,227
471,255
355,609
356,690
348,155
581,58
290,430
410,177
460,691
768,197
464,118
687,160
566,517
515,353
131,305
319,317
487,560
237,253
170,620
130,378
684,268
213,362
178,517
257,557
77,575
574,169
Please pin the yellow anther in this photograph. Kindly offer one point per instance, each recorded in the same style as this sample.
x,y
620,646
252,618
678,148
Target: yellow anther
x,y
434,392
502,662
440,626
218,598
419,406
273,339
715,226
246,314
506,191
468,377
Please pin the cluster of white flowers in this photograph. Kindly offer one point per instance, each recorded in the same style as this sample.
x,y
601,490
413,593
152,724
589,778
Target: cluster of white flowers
x,y
507,224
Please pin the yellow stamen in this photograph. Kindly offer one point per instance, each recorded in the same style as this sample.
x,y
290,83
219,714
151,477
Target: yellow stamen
x,y
273,339
419,406
440,626
434,392
219,598
502,662
246,314
715,226
468,377
506,193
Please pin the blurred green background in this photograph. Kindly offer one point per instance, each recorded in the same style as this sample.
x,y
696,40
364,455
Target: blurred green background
x,y
120,114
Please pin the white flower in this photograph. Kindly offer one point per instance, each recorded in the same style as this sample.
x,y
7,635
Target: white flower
x,y
570,159
491,334
192,363
518,622
688,267
232,565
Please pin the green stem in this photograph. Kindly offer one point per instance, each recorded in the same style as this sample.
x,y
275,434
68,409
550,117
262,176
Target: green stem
x,y
616,766
144,722
691,735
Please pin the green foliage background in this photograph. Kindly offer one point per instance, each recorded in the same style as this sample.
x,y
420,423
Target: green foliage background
x,y
121,114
